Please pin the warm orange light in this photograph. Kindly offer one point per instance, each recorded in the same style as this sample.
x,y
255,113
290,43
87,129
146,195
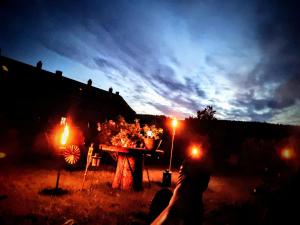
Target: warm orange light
x,y
174,123
2,155
196,152
65,135
286,153
63,121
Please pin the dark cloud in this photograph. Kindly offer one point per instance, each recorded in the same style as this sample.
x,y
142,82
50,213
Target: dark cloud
x,y
275,104
252,107
260,109
193,86
286,94
278,35
163,108
105,64
165,81
255,111
168,110
164,77
67,49
290,89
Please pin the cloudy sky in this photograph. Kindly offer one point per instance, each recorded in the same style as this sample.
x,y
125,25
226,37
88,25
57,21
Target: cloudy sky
x,y
170,57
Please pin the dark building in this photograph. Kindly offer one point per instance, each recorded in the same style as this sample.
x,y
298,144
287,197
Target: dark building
x,y
30,95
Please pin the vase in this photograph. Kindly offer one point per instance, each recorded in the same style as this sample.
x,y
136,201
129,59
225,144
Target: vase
x,y
149,143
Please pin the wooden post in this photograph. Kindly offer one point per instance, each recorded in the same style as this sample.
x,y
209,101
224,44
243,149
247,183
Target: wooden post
x,y
88,162
129,172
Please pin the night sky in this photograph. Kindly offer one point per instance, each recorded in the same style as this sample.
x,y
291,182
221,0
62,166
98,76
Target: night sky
x,y
169,57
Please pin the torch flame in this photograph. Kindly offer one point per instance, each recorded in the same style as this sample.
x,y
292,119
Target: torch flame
x,y
174,123
65,135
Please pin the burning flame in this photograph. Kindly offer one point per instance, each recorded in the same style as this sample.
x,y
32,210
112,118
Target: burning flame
x,y
174,123
65,135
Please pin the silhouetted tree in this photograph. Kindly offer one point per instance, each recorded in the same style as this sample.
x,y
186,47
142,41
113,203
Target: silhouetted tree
x,y
206,114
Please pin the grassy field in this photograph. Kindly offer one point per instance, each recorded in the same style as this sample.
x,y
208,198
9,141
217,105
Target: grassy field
x,y
22,203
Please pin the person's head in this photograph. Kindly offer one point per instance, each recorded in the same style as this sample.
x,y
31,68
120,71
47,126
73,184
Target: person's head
x,y
195,171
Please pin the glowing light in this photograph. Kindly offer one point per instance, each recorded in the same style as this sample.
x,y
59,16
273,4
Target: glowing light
x,y
196,152
4,68
149,133
65,135
2,155
98,126
63,120
286,153
174,123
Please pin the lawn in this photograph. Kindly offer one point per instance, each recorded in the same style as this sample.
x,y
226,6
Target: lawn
x,y
22,203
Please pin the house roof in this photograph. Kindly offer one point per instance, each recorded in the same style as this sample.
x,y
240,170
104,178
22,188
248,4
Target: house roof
x,y
40,87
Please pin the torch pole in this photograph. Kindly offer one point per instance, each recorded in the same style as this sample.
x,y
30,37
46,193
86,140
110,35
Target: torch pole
x,y
57,179
167,175
58,172
172,144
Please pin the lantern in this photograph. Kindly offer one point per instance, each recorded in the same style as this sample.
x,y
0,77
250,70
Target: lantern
x,y
96,160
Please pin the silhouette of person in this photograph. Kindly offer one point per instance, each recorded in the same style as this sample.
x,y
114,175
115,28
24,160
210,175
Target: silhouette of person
x,y
159,202
186,205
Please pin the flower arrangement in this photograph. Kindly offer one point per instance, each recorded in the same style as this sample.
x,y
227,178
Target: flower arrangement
x,y
128,136
152,132
121,133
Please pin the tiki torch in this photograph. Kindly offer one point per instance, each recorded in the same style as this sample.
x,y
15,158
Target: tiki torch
x,y
63,142
167,175
174,125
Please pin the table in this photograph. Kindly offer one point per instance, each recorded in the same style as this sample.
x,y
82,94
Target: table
x,y
130,164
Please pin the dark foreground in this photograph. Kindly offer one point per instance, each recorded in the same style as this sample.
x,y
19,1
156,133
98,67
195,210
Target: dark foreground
x,y
21,202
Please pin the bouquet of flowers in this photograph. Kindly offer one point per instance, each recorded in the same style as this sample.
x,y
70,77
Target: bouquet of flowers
x,y
123,134
128,136
152,132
